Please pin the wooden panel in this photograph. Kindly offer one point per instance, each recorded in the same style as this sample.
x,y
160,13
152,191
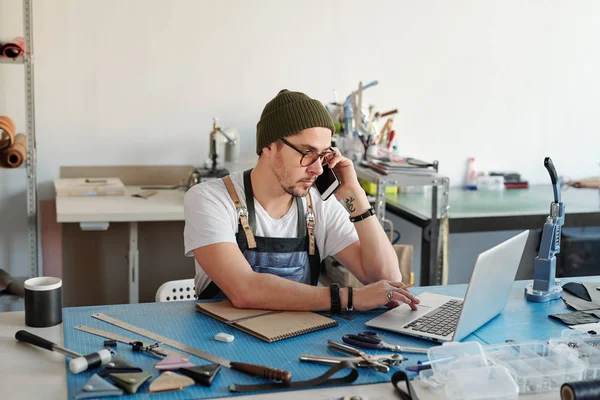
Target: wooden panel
x,y
161,256
95,266
133,175
51,232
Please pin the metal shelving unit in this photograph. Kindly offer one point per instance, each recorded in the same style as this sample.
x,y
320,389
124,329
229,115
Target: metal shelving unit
x,y
30,163
431,268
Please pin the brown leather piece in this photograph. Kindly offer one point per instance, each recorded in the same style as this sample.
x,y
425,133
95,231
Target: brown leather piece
x,y
170,381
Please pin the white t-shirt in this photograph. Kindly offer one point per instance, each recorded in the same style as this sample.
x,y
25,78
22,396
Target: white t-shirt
x,y
211,217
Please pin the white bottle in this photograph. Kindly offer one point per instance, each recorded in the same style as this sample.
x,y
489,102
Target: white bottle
x,y
471,175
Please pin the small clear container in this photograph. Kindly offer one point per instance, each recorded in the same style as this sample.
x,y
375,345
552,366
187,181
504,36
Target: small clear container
x,y
535,366
493,382
455,355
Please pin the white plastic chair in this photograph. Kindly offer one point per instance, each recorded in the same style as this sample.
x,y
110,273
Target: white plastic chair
x,y
179,290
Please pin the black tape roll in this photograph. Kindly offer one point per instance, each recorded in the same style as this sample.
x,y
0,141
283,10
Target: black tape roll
x,y
582,390
94,360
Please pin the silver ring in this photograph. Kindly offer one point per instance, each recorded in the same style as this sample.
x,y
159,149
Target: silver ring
x,y
389,296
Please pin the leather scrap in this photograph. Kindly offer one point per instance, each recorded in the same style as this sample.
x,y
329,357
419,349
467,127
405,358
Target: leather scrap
x,y
577,289
130,382
576,318
173,362
97,387
321,380
118,365
203,374
170,381
580,304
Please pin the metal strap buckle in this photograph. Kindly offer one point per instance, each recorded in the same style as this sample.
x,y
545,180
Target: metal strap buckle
x,y
242,212
310,217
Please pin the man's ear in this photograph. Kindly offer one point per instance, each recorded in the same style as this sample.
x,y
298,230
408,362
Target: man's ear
x,y
269,150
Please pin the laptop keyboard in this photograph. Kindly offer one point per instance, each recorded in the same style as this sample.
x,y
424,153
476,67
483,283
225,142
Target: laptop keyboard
x,y
440,321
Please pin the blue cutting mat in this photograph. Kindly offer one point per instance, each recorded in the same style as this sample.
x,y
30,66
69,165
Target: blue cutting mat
x,y
181,322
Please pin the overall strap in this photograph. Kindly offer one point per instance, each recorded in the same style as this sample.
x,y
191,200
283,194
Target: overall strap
x,y
249,200
301,221
242,211
310,222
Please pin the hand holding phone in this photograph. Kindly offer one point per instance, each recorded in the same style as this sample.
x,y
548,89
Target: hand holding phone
x,y
327,183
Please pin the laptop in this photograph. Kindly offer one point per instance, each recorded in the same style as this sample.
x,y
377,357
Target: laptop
x,y
444,318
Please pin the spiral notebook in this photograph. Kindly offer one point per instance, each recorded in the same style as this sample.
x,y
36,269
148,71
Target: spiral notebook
x,y
267,325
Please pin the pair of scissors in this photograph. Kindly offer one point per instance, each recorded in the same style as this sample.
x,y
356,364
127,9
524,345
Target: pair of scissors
x,y
381,362
372,340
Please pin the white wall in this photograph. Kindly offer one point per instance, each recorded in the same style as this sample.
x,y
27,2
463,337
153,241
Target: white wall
x,y
137,81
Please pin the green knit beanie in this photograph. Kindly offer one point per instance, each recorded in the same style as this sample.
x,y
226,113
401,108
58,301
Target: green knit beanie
x,y
288,113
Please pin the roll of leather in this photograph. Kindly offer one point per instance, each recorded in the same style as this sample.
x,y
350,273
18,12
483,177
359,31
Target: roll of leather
x,y
7,132
14,156
14,49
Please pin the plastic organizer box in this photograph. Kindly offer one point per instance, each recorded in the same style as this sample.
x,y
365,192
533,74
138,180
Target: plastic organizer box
x,y
580,346
470,371
535,366
462,371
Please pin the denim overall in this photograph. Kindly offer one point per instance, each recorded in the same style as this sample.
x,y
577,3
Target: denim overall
x,y
295,258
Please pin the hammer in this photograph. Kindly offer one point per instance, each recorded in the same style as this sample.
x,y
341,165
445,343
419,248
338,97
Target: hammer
x,y
78,363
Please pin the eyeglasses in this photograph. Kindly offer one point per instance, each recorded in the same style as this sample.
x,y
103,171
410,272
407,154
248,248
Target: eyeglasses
x,y
309,157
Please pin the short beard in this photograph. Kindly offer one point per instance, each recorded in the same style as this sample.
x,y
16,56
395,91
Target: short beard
x,y
281,175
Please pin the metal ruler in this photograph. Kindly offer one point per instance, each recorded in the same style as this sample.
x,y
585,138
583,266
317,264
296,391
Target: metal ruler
x,y
122,339
163,340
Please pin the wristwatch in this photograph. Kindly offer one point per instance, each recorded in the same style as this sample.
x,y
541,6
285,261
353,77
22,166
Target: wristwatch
x,y
336,303
367,214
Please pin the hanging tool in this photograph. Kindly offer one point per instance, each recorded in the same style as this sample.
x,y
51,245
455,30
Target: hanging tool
x,y
352,103
249,369
545,286
380,362
372,340
78,362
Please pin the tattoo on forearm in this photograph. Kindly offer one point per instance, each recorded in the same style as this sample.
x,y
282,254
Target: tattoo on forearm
x,y
350,204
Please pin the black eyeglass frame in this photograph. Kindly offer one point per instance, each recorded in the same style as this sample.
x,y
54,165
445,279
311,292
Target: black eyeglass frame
x,y
325,156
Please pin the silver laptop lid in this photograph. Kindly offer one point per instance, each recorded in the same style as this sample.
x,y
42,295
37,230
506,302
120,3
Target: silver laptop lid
x,y
490,284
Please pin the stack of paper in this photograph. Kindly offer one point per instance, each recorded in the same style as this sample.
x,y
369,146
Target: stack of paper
x,y
89,187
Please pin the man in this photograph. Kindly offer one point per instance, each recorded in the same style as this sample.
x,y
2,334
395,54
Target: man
x,y
258,237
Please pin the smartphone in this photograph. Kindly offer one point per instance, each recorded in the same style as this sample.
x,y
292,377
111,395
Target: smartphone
x,y
327,183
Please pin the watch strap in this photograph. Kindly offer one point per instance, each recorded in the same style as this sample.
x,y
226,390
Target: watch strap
x,y
336,304
350,306
366,214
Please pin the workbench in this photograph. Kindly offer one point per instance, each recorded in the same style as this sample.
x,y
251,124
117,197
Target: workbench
x,y
511,209
32,373
96,213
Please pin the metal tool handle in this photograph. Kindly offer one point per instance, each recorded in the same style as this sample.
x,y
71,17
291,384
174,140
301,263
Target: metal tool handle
x,y
550,167
344,348
336,360
322,359
273,374
35,340
416,350
554,177
403,349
